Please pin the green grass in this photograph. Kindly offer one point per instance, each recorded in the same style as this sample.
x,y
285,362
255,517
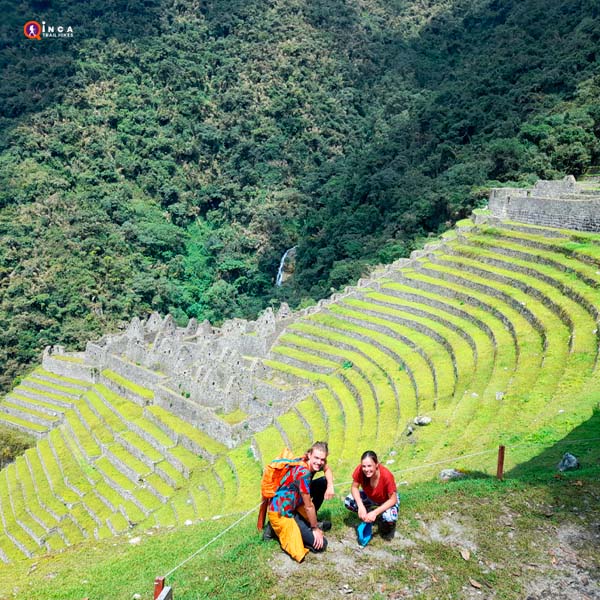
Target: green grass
x,y
207,492
46,395
481,344
230,501
295,430
53,386
31,494
22,424
30,412
461,353
234,417
443,339
73,359
40,405
310,410
510,525
80,383
129,385
269,443
184,429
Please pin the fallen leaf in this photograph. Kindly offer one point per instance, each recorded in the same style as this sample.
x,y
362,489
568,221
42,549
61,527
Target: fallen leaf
x,y
578,483
474,583
465,554
434,579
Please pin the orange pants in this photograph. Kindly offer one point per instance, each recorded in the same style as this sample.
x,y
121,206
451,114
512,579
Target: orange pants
x,y
289,535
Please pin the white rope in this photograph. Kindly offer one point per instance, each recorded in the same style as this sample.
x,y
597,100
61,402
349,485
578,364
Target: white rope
x,y
425,466
183,562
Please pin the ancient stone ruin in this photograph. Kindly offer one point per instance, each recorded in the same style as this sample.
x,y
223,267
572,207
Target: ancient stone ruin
x,y
564,204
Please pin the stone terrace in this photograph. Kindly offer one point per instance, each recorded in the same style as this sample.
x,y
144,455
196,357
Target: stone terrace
x,y
564,204
491,331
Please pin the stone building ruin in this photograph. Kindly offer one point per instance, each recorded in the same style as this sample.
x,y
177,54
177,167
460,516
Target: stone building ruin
x,y
563,204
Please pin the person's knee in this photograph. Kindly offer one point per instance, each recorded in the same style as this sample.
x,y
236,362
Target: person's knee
x,y
317,491
321,549
350,503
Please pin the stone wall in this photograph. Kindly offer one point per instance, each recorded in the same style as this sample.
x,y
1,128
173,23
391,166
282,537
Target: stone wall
x,y
200,372
562,204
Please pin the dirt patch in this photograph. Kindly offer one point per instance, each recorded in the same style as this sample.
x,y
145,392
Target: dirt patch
x,y
574,573
353,571
401,567
447,531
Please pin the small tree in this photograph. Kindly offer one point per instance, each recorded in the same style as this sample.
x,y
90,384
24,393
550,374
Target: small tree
x,y
12,444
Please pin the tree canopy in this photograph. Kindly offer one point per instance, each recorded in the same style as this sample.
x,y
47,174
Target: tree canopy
x,y
165,156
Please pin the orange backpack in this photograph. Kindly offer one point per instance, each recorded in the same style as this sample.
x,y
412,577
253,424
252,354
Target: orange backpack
x,y
272,476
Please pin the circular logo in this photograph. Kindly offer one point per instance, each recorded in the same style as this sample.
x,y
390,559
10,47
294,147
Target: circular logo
x,y
32,30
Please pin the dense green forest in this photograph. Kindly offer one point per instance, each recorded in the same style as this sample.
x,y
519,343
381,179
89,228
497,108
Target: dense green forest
x,y
165,156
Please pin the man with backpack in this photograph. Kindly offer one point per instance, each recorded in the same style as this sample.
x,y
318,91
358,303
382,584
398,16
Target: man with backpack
x,y
293,509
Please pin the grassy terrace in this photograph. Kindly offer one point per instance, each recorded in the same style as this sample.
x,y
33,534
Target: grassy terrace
x,y
497,351
122,382
496,361
176,427
568,304
35,404
76,491
29,413
36,391
69,382
363,376
473,401
31,498
473,372
462,352
546,338
401,343
494,336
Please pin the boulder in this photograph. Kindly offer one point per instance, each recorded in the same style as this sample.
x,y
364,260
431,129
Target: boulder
x,y
448,474
568,462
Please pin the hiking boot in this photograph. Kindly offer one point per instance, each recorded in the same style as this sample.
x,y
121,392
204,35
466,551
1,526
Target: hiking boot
x,y
268,533
324,525
387,530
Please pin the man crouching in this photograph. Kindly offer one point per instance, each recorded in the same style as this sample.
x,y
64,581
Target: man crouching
x,y
293,509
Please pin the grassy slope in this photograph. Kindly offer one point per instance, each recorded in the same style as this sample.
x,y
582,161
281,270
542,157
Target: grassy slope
x,y
428,537
516,531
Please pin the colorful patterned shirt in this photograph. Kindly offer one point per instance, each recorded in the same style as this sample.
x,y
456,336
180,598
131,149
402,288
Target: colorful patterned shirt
x,y
288,497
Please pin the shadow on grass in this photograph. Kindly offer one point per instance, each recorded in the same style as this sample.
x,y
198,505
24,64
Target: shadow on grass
x,y
574,492
583,442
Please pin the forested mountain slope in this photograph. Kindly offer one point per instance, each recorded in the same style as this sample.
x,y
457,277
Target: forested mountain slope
x,y
165,156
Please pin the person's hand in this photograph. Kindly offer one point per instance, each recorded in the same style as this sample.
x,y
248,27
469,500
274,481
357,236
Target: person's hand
x,y
370,517
329,493
318,539
362,513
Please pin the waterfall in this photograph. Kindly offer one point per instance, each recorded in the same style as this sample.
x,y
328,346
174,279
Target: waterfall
x,y
279,278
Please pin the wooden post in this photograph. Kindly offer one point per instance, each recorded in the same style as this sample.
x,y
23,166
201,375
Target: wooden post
x,y
500,470
159,584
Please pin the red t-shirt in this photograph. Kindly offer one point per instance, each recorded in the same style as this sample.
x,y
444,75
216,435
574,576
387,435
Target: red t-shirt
x,y
385,486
